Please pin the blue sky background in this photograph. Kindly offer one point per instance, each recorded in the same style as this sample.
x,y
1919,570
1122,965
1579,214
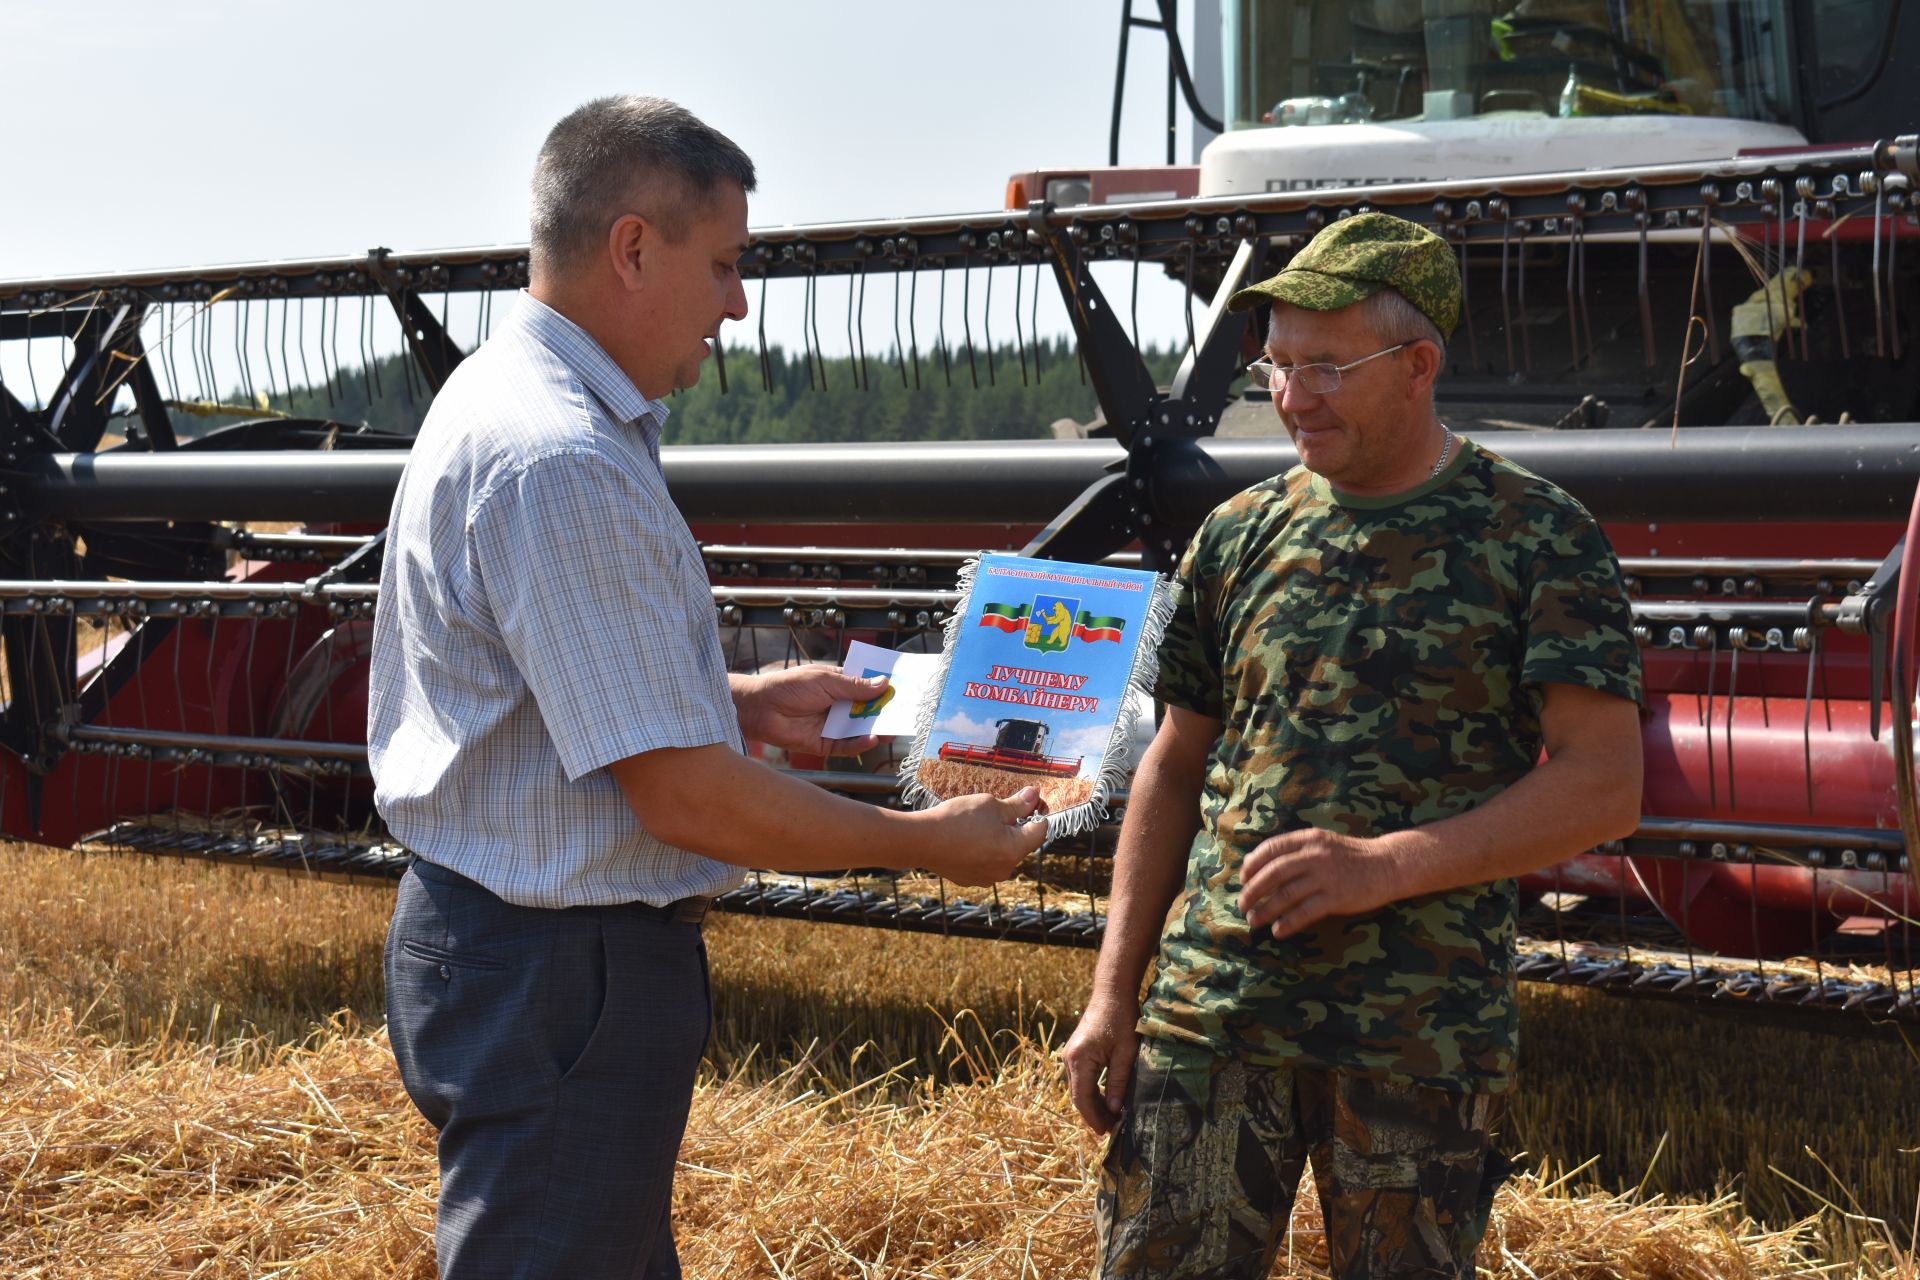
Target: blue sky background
x,y
199,131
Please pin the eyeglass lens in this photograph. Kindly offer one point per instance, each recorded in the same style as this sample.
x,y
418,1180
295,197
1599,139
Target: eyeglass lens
x,y
1318,379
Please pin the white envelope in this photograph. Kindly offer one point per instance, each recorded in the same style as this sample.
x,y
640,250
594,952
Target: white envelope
x,y
911,677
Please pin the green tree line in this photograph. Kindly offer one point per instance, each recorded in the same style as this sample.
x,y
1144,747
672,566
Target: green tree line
x,y
1002,393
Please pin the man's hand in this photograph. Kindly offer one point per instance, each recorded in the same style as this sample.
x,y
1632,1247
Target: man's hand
x,y
789,708
979,840
1295,880
1104,1040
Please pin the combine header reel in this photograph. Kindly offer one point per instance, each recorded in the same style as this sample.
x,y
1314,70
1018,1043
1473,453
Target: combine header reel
x,y
179,685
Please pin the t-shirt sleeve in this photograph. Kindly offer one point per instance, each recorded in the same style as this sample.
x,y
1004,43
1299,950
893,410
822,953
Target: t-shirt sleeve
x,y
580,570
1190,674
1579,630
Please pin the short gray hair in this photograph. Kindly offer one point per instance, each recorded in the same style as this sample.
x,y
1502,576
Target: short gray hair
x,y
1395,320
619,155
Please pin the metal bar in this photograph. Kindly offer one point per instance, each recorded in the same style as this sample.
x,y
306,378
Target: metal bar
x,y
237,745
1743,475
1661,190
1796,571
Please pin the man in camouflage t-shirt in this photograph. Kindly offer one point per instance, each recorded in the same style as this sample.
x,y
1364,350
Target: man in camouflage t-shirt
x,y
1367,658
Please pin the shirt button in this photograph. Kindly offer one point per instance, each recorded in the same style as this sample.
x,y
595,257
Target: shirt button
x,y
446,973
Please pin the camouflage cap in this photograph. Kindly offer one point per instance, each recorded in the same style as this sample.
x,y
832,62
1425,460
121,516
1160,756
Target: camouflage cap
x,y
1357,257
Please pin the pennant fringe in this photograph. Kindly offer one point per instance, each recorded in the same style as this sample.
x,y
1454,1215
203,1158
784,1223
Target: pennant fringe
x,y
1116,762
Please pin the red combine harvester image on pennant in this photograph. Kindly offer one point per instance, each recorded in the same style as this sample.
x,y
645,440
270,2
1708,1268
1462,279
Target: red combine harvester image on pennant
x,y
1033,689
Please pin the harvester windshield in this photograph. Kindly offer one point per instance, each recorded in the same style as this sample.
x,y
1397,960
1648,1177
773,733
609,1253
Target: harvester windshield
x,y
1317,62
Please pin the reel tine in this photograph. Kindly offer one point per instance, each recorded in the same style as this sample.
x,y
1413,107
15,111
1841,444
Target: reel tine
x,y
369,369
1879,317
1526,325
899,348
819,349
192,325
1647,352
1768,272
403,355
166,353
33,379
1713,670
1893,291
986,323
766,362
1806,712
913,311
1020,333
852,366
966,312
866,376
266,348
1573,301
240,325
1780,239
1706,287
1193,346
1586,316
1733,685
1466,306
1839,298
809,303
1135,299
940,338
329,367
1506,312
1804,190
1033,321
286,364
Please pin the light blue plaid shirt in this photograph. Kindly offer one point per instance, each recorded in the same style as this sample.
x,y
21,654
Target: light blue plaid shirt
x,y
544,611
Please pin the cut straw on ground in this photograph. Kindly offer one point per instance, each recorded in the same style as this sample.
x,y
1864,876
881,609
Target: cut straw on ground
x,y
177,1162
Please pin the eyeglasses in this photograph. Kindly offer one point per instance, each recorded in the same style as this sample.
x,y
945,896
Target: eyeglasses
x,y
1317,379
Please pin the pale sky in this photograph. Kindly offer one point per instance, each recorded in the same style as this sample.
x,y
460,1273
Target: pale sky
x,y
199,131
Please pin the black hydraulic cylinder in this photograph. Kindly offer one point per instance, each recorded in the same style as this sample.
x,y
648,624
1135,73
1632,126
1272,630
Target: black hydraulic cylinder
x,y
1822,473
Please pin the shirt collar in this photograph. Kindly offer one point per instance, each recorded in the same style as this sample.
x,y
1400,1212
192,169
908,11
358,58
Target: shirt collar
x,y
588,360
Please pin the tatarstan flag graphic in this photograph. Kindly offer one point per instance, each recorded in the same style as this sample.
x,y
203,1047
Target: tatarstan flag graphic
x,y
1089,626
1007,617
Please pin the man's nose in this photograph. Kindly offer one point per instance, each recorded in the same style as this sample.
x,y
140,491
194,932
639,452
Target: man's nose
x,y
737,299
1291,397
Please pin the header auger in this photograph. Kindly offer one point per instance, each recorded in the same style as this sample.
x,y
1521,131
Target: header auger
x,y
176,685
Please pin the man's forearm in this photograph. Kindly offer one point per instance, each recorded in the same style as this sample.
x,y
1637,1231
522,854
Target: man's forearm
x,y
1566,806
717,803
1163,811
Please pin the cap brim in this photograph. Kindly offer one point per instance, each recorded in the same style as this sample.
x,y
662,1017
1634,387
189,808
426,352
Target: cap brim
x,y
1302,288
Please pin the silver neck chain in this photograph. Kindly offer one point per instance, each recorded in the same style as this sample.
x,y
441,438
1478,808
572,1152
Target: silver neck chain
x,y
1446,452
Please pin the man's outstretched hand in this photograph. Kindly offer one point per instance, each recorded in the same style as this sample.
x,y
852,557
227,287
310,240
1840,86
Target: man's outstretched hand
x,y
789,708
1300,878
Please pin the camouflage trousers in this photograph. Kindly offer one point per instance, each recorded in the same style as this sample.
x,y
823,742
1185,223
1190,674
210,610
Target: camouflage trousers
x,y
1200,1175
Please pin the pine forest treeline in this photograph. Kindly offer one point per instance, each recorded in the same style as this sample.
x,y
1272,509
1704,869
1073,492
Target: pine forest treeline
x,y
1003,393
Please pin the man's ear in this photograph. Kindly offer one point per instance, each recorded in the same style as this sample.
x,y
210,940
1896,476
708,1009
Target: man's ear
x,y
629,240
1424,364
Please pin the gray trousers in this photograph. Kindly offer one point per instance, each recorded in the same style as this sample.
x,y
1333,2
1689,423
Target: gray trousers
x,y
555,1052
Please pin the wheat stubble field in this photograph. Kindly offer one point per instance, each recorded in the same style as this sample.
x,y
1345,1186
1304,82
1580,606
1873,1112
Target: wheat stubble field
x,y
193,1082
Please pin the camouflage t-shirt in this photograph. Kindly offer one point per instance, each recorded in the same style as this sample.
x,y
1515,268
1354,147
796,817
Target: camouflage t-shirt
x,y
1376,664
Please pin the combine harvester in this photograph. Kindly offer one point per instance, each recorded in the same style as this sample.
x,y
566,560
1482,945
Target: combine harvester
x,y
1657,337
1019,746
